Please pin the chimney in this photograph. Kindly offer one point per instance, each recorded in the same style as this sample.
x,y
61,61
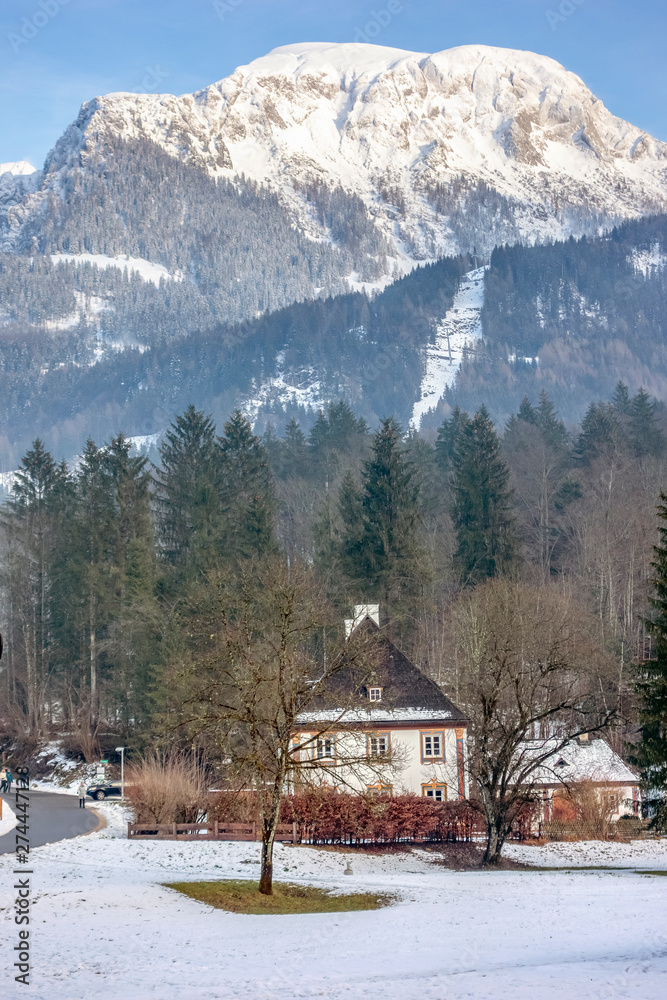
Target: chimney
x,y
362,611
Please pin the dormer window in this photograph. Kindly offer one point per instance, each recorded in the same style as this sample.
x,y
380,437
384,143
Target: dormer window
x,y
375,694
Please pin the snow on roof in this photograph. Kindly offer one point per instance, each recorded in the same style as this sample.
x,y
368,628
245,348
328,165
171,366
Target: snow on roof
x,y
585,760
368,715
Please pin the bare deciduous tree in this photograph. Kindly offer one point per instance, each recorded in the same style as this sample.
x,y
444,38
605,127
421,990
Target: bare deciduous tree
x,y
530,678
260,659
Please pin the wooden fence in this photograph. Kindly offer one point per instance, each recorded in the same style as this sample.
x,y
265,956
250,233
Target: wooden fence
x,y
286,833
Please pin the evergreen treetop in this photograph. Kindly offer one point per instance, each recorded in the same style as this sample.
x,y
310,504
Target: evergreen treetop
x,y
482,514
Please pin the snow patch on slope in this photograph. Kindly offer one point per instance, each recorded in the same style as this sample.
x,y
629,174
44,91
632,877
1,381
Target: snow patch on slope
x,y
7,480
146,269
142,443
457,334
646,261
302,388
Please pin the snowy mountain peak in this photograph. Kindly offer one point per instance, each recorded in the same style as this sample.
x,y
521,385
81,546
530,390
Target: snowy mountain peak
x,y
458,150
19,168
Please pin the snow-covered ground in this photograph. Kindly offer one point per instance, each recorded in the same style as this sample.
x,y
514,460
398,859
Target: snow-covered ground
x,y
8,820
649,854
460,329
104,926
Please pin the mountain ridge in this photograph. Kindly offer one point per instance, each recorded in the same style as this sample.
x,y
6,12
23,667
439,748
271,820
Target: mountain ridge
x,y
312,173
399,130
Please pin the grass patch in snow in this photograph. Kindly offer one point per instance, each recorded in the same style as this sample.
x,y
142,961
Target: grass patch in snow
x,y
245,897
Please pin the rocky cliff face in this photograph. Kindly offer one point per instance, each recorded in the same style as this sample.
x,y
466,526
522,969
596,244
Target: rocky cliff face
x,y
456,151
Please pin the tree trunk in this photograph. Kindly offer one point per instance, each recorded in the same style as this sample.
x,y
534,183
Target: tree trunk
x,y
266,876
93,665
496,831
491,851
269,820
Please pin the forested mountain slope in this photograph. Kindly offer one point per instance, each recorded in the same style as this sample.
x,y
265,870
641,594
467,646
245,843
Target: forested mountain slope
x,y
572,318
227,247
285,363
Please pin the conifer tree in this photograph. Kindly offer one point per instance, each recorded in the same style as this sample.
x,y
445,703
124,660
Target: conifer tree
x,y
621,399
645,435
343,426
34,509
602,433
274,449
448,434
552,428
188,493
326,536
334,436
527,411
246,492
381,547
651,753
482,514
351,514
92,557
131,564
294,452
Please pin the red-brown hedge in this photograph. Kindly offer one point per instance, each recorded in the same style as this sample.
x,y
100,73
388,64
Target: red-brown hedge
x,y
324,816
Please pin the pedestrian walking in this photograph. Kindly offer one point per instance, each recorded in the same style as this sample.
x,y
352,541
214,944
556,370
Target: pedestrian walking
x,y
82,795
8,781
3,780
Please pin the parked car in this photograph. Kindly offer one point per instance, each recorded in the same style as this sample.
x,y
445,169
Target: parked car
x,y
104,790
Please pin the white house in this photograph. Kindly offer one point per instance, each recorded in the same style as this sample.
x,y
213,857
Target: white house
x,y
395,713
585,760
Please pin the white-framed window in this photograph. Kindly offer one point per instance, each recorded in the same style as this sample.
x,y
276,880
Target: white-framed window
x,y
436,792
324,748
433,746
377,744
375,694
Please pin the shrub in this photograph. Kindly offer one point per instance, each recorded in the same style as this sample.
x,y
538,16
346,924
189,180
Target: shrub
x,y
167,788
232,807
582,811
325,816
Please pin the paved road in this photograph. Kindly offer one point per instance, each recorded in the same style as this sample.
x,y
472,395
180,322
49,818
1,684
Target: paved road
x,y
52,817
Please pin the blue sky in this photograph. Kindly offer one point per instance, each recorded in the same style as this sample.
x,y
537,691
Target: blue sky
x,y
55,54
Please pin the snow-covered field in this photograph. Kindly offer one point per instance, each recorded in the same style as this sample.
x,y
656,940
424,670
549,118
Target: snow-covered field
x,y
104,926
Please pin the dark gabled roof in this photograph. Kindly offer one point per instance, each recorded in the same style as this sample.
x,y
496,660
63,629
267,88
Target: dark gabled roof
x,y
404,686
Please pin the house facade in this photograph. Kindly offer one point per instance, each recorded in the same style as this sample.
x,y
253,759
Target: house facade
x,y
389,731
590,761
